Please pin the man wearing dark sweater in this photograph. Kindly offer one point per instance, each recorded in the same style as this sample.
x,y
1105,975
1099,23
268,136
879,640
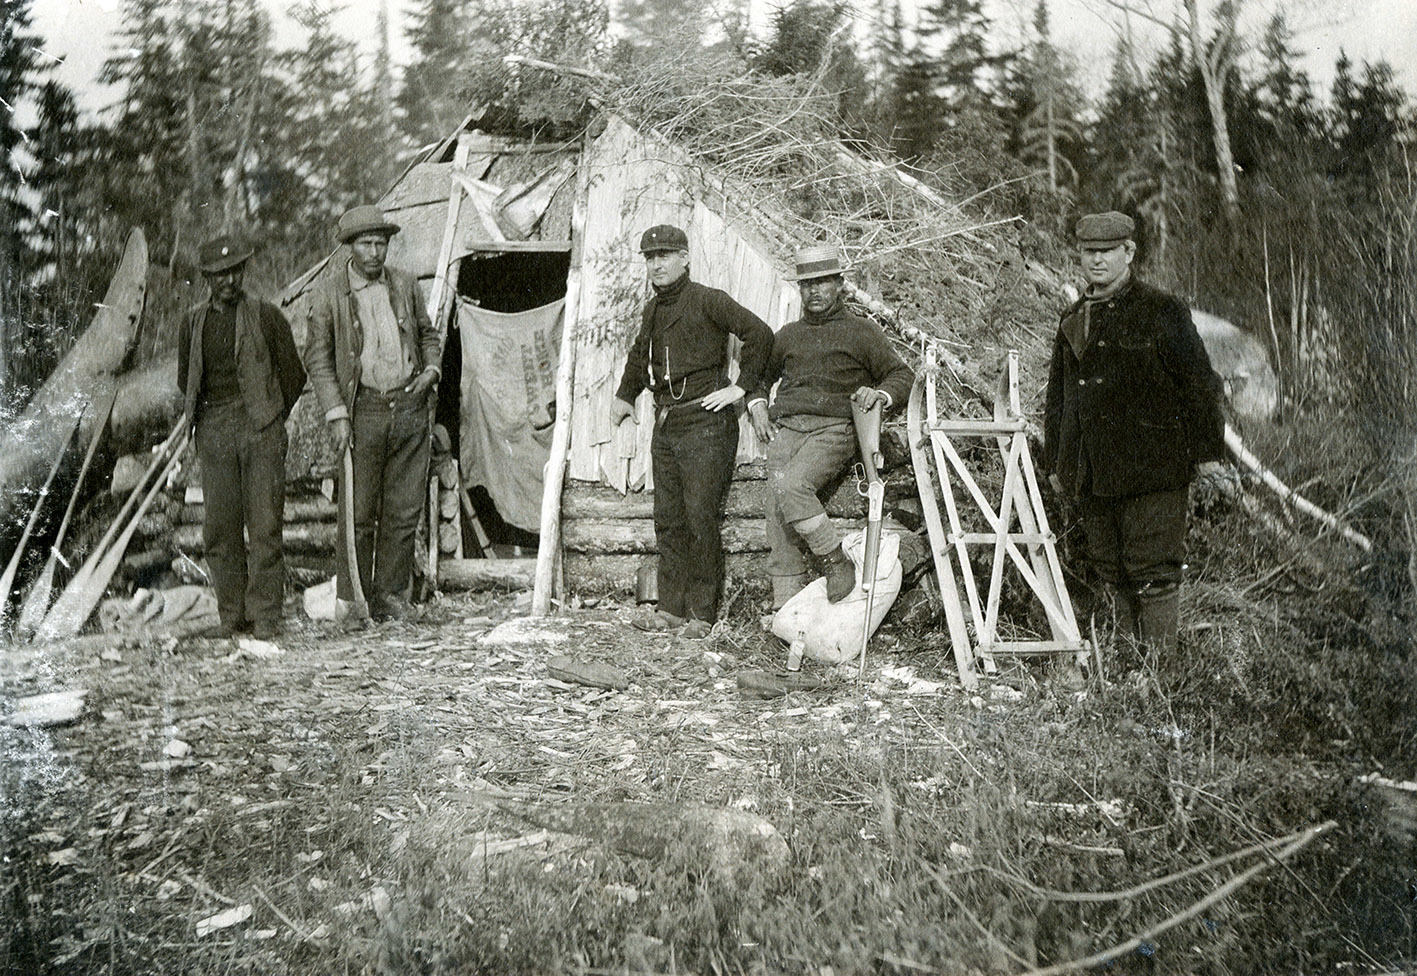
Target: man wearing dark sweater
x,y
681,356
240,374
825,360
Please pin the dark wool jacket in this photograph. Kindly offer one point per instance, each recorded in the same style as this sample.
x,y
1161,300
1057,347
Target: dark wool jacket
x,y
267,364
822,361
335,338
1134,406
681,352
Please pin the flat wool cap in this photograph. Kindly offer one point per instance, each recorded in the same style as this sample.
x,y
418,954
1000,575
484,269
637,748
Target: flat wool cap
x,y
663,237
365,220
1110,228
817,261
222,254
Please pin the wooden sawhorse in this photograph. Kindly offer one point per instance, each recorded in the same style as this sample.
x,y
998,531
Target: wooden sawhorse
x,y
1015,532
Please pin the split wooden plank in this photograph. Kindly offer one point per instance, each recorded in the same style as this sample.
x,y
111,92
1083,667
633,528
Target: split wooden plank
x,y
7,579
74,606
37,600
441,293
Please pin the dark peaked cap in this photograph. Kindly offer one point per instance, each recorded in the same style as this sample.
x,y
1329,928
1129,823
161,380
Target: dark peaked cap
x,y
664,237
1109,229
222,254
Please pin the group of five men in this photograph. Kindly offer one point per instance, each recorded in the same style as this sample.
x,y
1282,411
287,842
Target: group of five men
x,y
1132,408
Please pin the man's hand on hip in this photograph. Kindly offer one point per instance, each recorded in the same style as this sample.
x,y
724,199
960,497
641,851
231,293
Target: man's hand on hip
x,y
619,411
422,382
725,397
762,424
342,433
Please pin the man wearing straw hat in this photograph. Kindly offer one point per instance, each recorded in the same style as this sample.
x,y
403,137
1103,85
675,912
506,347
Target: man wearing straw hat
x,y
240,375
373,354
681,354
1132,408
825,360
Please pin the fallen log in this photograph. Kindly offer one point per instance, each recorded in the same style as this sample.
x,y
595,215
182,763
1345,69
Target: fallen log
x,y
459,575
599,575
309,508
305,538
1289,495
87,373
730,846
746,499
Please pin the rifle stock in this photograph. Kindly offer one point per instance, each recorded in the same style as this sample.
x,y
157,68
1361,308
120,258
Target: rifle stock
x,y
868,440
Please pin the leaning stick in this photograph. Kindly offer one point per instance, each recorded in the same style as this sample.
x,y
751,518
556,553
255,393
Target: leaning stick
x,y
1289,495
1219,894
7,579
160,458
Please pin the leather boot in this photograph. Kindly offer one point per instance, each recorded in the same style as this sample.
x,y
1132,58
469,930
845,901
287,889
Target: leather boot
x,y
841,576
1124,600
785,588
1158,617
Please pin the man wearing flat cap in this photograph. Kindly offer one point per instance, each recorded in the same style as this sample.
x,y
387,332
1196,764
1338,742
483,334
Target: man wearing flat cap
x,y
240,375
1133,407
828,358
373,355
681,355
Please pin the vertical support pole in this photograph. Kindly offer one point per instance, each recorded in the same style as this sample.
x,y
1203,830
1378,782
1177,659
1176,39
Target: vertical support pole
x,y
548,578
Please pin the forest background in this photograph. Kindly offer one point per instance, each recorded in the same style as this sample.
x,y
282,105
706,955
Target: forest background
x,y
1262,198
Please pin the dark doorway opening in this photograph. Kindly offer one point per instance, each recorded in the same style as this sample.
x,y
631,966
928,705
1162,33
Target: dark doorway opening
x,y
502,282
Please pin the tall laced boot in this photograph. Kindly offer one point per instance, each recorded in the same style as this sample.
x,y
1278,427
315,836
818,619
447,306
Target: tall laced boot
x,y
1158,617
841,575
824,539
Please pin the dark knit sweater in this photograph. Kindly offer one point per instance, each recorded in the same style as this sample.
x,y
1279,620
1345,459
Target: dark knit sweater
x,y
822,360
681,352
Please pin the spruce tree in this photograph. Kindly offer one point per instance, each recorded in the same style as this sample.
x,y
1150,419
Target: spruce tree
x,y
19,67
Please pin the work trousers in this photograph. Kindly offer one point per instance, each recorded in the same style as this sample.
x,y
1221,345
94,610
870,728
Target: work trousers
x,y
801,463
391,448
692,454
243,495
1137,541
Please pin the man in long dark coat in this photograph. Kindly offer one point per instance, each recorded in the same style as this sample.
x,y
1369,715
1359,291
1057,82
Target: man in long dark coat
x,y
1133,407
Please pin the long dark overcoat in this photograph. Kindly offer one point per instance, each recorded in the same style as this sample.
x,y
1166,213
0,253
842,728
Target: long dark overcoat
x,y
1132,404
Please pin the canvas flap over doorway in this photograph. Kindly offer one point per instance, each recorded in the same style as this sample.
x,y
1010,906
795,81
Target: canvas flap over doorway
x,y
509,364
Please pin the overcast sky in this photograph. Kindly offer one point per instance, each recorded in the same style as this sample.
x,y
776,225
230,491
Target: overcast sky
x,y
82,32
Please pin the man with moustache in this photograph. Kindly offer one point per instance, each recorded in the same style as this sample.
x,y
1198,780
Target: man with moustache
x,y
681,355
240,375
826,360
1133,407
372,354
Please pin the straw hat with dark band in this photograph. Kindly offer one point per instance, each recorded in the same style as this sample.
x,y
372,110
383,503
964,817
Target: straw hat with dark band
x,y
817,261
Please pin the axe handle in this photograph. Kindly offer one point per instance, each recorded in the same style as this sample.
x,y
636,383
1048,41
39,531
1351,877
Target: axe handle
x,y
351,551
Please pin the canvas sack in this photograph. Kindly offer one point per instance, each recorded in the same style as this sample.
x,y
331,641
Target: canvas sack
x,y
831,632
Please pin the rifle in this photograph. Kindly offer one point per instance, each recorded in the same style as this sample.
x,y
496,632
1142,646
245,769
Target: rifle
x,y
868,440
